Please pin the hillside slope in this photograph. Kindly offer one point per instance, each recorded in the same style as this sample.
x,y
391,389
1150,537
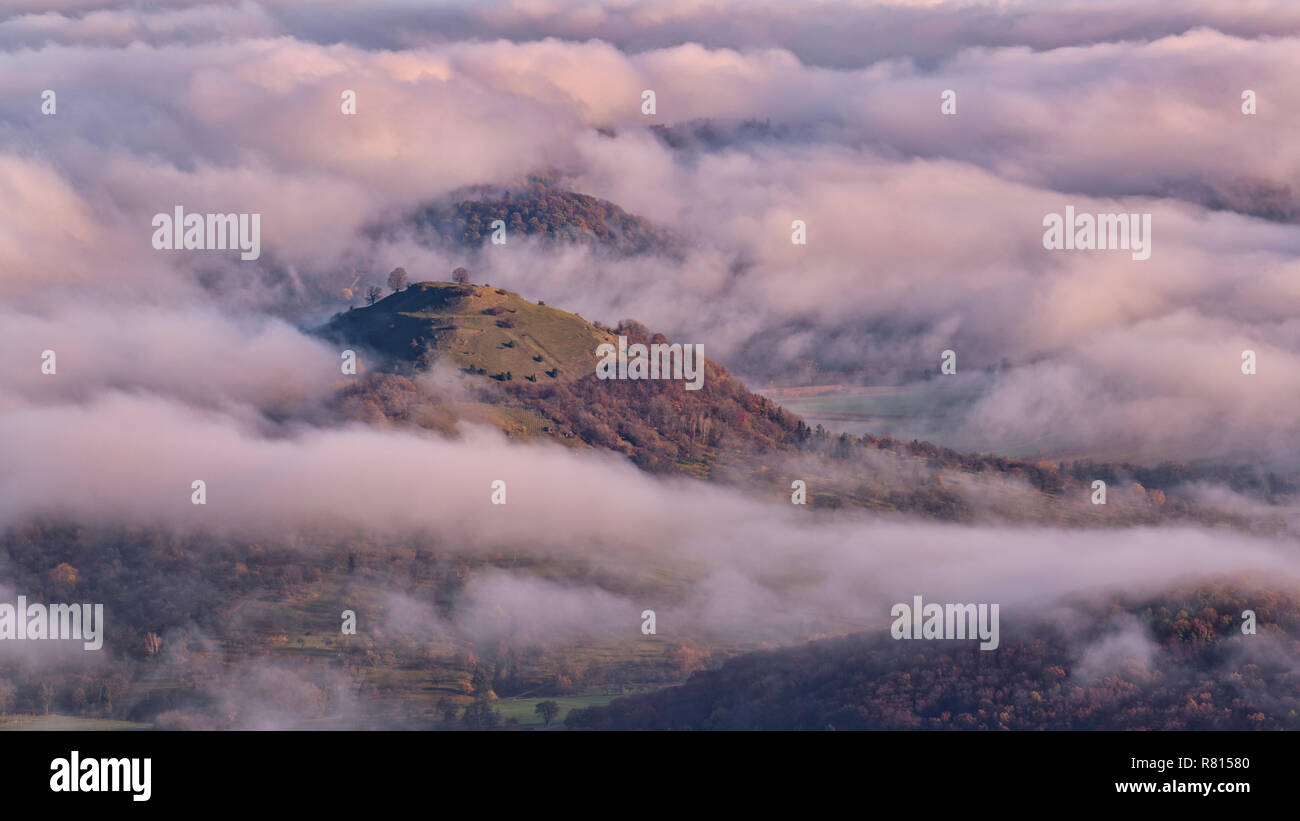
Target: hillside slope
x,y
543,361
483,330
1041,678
543,210
529,369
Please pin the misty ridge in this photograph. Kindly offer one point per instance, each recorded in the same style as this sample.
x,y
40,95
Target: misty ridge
x,y
373,492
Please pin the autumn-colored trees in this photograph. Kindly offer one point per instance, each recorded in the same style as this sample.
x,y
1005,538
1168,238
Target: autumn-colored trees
x,y
545,212
1202,676
397,279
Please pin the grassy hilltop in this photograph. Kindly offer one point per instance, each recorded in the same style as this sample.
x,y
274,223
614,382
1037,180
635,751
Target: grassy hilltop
x,y
483,330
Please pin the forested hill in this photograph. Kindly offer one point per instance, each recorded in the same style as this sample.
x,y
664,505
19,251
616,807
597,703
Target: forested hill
x,y
1040,679
543,210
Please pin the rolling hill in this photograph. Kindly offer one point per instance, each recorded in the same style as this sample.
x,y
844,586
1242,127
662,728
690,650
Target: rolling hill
x,y
529,369
483,330
543,363
541,209
1044,678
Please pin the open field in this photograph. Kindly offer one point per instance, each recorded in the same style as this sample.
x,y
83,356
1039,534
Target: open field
x,y
928,411
56,722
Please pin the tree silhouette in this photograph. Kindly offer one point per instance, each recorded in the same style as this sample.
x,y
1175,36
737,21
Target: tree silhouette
x,y
480,716
397,279
548,710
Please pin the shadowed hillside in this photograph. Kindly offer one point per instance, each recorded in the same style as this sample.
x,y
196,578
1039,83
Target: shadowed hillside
x,y
1196,671
544,211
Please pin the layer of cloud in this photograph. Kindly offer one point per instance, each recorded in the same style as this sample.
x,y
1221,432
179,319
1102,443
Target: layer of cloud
x,y
755,568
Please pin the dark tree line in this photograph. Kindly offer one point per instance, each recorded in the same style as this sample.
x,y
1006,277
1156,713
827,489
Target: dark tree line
x,y
1207,676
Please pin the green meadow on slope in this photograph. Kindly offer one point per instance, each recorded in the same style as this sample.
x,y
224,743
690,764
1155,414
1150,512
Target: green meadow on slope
x,y
483,330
